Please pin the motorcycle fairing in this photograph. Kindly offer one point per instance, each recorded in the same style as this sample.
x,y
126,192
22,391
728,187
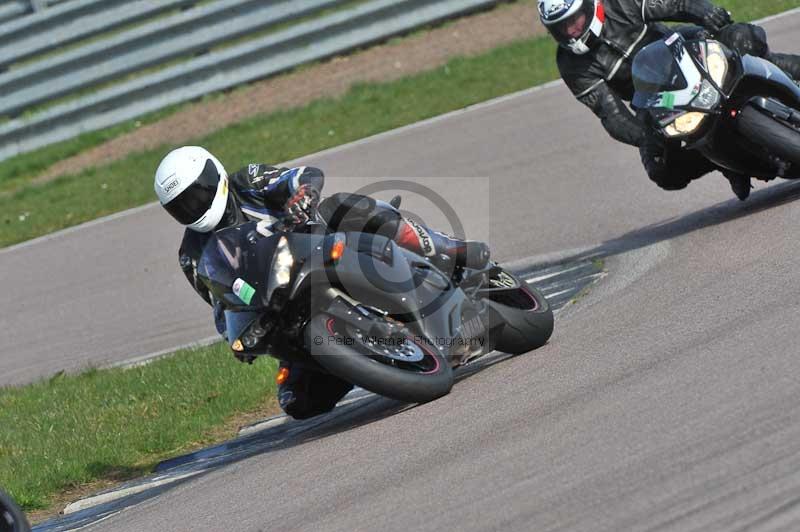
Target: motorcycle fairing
x,y
238,253
758,69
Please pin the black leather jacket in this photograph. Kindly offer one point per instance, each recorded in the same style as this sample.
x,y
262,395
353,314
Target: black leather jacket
x,y
601,79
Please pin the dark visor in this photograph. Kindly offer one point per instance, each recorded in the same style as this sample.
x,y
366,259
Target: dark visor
x,y
192,203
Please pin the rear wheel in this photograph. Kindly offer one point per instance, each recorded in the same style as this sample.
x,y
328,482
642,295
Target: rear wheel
x,y
525,316
779,139
402,367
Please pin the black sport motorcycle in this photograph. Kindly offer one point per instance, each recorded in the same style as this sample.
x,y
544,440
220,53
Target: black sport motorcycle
x,y
741,112
359,307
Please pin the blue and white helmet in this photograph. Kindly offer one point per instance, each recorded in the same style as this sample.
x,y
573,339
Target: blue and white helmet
x,y
575,24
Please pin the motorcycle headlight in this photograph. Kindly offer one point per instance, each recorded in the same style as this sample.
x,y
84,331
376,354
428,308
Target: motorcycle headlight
x,y
249,340
717,63
708,97
685,124
282,262
251,336
257,330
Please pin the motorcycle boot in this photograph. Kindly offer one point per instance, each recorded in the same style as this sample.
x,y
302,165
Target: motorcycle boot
x,y
442,250
740,184
303,393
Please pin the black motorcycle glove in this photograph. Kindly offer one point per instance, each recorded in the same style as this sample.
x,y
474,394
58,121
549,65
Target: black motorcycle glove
x,y
708,15
700,12
717,19
302,205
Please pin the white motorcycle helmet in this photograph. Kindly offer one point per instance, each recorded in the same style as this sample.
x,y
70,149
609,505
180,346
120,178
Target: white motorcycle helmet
x,y
192,185
575,24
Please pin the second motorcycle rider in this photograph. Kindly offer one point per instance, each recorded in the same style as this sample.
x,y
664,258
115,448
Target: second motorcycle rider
x,y
598,40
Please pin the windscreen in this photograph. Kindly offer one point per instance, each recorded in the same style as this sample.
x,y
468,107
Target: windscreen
x,y
656,69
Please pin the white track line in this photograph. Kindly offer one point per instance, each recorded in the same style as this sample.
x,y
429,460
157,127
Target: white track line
x,y
551,296
143,360
598,275
110,496
556,274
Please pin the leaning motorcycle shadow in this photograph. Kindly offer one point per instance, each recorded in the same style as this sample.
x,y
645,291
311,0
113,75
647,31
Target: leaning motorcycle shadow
x,y
724,212
367,408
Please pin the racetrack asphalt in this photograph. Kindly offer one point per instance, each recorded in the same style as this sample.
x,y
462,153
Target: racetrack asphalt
x,y
666,400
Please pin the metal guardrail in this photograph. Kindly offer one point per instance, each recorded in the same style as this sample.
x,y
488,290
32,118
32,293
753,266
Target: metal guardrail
x,y
16,8
218,69
73,21
142,47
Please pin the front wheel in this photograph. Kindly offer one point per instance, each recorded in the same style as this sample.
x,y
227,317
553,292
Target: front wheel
x,y
402,367
779,139
11,517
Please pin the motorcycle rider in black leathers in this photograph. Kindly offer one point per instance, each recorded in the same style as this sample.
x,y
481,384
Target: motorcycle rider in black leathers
x,y
194,188
598,40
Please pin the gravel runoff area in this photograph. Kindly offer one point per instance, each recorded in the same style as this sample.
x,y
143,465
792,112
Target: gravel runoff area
x,y
396,59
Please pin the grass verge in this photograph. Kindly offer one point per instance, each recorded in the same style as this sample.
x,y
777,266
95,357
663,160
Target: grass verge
x,y
365,110
115,424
